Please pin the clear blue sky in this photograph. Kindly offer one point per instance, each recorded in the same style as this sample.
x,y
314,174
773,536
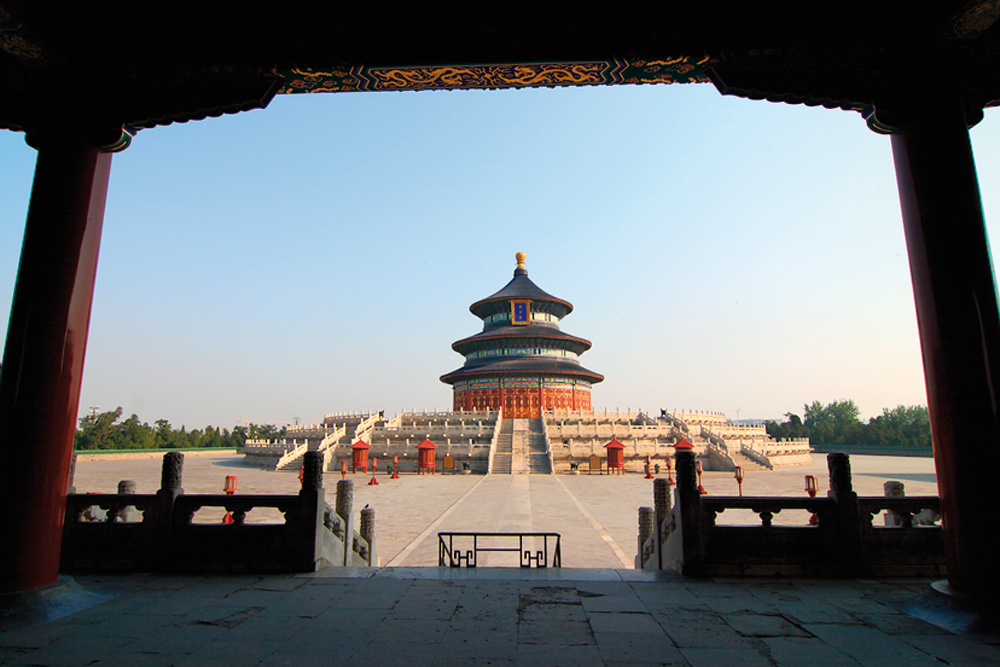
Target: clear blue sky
x,y
321,255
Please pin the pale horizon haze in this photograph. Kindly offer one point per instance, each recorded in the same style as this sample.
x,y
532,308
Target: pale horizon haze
x,y
321,255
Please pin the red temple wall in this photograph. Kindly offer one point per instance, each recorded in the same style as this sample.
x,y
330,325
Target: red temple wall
x,y
521,403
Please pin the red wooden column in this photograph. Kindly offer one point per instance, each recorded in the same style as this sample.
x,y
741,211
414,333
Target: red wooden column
x,y
43,358
956,302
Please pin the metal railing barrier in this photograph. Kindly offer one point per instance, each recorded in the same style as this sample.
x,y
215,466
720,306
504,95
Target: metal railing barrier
x,y
528,556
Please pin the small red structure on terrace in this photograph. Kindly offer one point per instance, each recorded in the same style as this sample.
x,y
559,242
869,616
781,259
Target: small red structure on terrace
x,y
425,456
359,456
616,457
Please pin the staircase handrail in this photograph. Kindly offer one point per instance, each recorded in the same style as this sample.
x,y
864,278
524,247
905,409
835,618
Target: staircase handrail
x,y
292,455
755,456
493,440
714,439
365,427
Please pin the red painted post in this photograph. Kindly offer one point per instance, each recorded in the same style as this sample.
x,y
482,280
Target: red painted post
x,y
395,465
698,468
649,467
738,474
959,324
343,470
44,353
229,488
812,488
374,482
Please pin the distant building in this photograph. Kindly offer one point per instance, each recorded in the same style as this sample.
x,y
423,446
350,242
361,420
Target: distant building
x,y
521,362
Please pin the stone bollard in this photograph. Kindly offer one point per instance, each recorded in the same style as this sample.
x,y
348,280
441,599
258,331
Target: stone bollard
x,y
368,533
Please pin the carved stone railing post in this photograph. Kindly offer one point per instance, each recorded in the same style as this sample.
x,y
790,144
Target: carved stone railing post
x,y
159,519
345,498
847,519
308,523
170,473
662,502
368,533
693,533
70,488
647,519
687,475
312,472
344,509
126,487
893,489
661,499
839,465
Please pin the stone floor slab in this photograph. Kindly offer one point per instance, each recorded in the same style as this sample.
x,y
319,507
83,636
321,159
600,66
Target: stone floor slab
x,y
555,633
955,650
717,657
750,624
637,648
624,623
871,647
558,656
797,651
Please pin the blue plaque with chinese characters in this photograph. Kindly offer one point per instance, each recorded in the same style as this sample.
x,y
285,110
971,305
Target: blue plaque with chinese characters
x,y
520,312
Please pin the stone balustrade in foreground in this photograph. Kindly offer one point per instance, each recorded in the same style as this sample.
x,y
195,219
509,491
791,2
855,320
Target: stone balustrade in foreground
x,y
312,536
842,540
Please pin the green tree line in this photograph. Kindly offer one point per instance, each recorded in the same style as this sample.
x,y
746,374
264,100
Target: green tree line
x,y
107,430
838,424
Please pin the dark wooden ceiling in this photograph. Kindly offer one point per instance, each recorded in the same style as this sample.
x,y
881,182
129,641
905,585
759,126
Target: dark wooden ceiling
x,y
110,64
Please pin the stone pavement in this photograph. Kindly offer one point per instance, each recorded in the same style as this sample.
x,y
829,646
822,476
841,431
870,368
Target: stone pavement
x,y
492,616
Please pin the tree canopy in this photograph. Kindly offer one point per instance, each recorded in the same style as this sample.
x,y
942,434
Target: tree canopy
x,y
839,424
104,430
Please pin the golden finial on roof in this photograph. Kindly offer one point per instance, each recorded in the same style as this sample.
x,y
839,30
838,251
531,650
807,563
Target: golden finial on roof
x,y
520,259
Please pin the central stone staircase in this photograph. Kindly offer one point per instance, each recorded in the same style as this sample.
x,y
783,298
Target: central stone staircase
x,y
537,458
504,448
520,448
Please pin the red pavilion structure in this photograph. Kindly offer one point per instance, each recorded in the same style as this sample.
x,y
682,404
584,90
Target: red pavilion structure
x,y
521,361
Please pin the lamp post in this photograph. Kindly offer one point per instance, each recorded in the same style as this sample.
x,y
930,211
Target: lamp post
x,y
812,488
229,489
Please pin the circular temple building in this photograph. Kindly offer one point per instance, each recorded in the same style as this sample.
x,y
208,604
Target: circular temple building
x,y
521,361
